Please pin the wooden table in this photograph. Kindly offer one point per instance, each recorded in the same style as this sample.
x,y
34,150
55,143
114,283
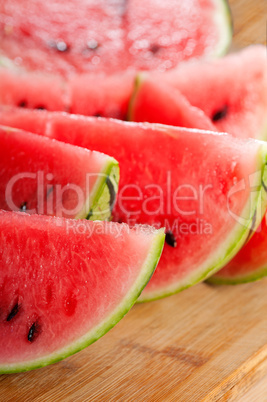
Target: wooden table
x,y
205,344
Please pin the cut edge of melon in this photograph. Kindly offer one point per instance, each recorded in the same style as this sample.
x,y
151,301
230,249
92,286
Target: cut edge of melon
x,y
101,329
252,276
257,275
184,105
240,232
224,21
100,203
98,206
139,78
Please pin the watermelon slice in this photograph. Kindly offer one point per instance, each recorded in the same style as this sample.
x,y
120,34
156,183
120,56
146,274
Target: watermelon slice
x,y
156,102
65,283
45,176
231,91
110,97
33,90
162,34
74,37
250,264
78,94
205,188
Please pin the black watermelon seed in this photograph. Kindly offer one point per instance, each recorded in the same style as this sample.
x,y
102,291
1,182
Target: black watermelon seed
x,y
98,115
13,312
92,44
154,48
40,107
112,193
33,332
22,104
23,207
220,114
170,239
89,216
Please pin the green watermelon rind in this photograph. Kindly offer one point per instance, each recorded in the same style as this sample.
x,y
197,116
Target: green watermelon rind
x,y
224,21
139,78
98,207
252,276
257,275
101,329
240,233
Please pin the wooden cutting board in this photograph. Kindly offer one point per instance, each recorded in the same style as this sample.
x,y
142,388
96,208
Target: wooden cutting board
x,y
205,344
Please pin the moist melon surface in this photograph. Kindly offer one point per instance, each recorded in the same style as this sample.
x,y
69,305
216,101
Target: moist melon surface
x,y
111,35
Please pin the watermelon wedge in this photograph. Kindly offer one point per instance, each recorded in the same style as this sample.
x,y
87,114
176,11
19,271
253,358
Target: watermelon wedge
x,y
250,264
155,102
231,91
44,176
32,90
64,283
206,189
79,94
85,36
110,97
162,34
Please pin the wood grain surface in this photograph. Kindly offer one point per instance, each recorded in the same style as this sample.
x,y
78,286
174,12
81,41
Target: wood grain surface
x,y
205,344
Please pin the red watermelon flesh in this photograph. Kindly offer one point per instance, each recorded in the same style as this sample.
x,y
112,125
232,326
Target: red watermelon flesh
x,y
250,264
82,36
33,90
158,162
231,91
65,283
95,94
101,94
44,176
156,102
64,36
163,33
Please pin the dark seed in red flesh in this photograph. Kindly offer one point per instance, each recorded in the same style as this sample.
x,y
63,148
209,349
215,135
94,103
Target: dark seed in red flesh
x,y
220,114
22,104
40,107
154,48
13,312
170,239
23,207
33,332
